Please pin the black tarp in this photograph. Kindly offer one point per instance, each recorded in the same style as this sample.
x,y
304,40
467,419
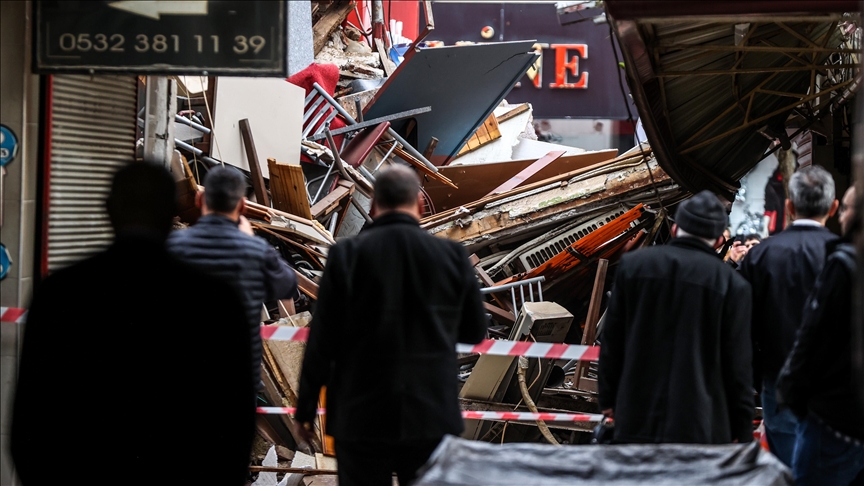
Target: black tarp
x,y
463,462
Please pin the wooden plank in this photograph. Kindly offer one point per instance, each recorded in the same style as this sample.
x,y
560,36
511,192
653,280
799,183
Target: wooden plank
x,y
335,15
589,334
314,226
332,200
476,181
274,396
430,147
286,308
527,172
499,314
261,195
485,133
434,175
288,357
288,187
512,113
307,286
388,65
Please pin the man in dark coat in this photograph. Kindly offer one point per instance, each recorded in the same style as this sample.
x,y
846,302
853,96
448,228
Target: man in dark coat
x,y
817,382
392,304
222,243
782,271
675,346
136,361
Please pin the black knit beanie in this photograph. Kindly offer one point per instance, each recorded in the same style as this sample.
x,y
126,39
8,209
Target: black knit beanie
x,y
702,215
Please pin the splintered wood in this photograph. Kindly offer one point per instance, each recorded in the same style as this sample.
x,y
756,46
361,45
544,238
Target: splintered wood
x,y
487,132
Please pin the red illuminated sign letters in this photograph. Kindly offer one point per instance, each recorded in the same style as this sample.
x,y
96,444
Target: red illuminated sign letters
x,y
562,66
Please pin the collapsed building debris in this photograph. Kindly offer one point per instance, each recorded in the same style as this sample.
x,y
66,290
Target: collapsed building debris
x,y
541,220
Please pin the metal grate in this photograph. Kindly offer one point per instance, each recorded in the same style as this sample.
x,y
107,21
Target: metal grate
x,y
93,133
537,257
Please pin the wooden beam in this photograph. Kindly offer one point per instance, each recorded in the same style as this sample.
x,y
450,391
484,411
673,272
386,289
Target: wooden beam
x,y
261,195
797,35
513,113
327,24
766,117
332,200
307,286
527,172
743,48
732,72
499,313
589,334
288,187
430,147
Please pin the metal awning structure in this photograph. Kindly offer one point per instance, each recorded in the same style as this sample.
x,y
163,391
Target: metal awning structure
x,y
717,83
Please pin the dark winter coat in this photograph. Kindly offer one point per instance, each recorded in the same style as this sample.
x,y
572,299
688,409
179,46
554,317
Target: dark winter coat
x,y
138,362
675,348
216,245
782,271
818,375
392,304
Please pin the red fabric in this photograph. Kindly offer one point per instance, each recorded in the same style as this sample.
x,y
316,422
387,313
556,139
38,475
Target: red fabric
x,y
326,75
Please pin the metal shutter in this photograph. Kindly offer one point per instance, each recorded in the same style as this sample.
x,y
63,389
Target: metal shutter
x,y
93,133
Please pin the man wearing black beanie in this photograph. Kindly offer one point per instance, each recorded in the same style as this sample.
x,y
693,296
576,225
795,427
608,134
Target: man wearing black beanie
x,y
675,354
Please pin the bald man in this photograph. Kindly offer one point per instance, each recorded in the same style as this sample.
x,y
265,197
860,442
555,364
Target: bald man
x,y
393,302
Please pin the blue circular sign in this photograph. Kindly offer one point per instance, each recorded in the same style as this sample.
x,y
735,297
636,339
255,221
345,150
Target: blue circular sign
x,y
5,261
8,145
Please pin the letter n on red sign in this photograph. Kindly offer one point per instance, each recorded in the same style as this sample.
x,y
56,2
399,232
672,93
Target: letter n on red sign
x,y
562,66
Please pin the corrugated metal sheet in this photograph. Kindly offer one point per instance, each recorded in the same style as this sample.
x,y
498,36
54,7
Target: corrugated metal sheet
x,y
705,88
93,133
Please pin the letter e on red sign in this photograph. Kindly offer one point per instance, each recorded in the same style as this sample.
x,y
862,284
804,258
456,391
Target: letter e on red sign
x,y
562,66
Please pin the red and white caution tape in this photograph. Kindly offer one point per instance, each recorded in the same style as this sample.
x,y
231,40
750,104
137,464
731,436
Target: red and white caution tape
x,y
12,314
488,346
531,349
284,333
520,416
533,417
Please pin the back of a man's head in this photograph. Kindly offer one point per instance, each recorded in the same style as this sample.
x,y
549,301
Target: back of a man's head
x,y
224,187
396,187
811,191
142,198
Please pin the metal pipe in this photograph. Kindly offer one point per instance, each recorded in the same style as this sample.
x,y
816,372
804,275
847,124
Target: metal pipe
x,y
389,152
366,173
198,152
351,121
324,182
336,158
333,220
188,122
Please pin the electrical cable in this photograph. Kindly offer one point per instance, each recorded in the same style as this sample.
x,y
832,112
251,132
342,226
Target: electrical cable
x,y
636,132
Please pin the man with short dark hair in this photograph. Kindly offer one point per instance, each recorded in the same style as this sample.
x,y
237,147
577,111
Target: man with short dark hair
x,y
675,346
393,302
114,356
782,271
817,382
223,244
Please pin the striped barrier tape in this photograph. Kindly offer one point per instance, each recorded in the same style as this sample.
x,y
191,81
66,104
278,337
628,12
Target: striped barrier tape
x,y
12,314
470,415
488,346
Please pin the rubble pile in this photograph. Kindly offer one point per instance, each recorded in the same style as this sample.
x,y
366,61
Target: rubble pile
x,y
541,221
